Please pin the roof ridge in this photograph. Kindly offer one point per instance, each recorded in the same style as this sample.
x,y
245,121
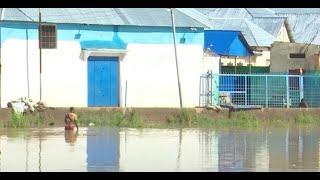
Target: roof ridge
x,y
253,25
104,16
204,19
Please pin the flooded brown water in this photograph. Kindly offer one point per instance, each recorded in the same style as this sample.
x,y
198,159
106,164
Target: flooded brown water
x,y
108,149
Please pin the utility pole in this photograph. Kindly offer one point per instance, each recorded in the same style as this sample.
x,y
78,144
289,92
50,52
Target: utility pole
x,y
40,54
175,52
1,19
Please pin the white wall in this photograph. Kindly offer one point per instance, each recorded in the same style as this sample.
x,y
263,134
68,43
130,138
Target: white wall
x,y
244,61
211,63
256,60
149,70
263,59
283,34
64,74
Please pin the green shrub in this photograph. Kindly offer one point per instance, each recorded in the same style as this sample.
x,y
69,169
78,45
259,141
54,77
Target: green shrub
x,y
304,118
18,120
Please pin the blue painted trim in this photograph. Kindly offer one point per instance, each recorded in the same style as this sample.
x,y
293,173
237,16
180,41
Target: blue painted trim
x,y
97,36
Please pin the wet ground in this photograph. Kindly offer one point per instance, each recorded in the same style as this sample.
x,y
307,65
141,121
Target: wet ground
x,y
108,149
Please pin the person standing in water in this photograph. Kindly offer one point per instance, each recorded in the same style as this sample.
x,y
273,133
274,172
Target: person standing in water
x,y
71,117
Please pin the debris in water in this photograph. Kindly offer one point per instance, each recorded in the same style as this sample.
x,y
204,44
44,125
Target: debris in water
x,y
91,124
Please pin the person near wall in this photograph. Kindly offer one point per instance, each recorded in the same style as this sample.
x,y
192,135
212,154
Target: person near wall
x,y
303,104
71,119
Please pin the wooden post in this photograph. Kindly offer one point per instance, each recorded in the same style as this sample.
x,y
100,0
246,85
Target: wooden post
x,y
235,65
175,52
40,55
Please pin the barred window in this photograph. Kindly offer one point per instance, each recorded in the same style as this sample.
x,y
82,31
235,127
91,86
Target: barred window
x,y
48,36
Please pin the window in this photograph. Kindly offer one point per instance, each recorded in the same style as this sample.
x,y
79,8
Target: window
x,y
297,55
48,36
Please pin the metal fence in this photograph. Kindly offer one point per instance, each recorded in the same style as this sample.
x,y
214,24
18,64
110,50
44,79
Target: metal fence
x,y
267,90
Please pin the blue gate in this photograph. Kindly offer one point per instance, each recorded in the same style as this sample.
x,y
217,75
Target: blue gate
x,y
103,81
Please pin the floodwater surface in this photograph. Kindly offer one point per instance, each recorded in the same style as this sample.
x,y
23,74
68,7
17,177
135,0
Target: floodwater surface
x,y
112,149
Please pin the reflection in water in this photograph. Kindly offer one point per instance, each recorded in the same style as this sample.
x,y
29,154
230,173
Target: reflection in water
x,y
70,136
40,150
179,151
27,155
103,149
278,149
107,149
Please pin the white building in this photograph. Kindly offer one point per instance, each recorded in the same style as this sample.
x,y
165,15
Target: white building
x,y
109,57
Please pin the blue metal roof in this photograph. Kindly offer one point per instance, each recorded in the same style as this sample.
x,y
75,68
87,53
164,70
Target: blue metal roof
x,y
254,35
102,16
226,43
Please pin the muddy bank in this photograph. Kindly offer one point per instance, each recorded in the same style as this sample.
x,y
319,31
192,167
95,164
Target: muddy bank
x,y
55,116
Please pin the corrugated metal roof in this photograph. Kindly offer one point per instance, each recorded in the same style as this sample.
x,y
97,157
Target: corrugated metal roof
x,y
237,12
261,12
192,12
261,37
238,19
103,16
225,12
305,27
254,35
296,10
271,25
303,22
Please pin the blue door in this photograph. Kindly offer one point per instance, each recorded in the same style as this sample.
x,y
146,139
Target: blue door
x,y
103,81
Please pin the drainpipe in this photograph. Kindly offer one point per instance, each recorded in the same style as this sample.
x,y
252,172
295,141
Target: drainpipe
x,y
1,19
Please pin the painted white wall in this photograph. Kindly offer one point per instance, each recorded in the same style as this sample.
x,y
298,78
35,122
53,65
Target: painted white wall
x,y
64,74
283,34
256,60
14,73
244,61
149,70
263,59
211,63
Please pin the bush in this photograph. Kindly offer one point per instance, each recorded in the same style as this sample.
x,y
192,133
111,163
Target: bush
x,y
18,120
